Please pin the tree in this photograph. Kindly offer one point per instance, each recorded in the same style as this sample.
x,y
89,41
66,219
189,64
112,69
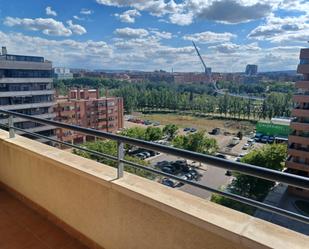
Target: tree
x,y
110,148
196,142
135,132
153,133
170,130
270,156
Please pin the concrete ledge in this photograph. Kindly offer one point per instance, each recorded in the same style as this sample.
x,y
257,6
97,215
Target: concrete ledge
x,y
131,212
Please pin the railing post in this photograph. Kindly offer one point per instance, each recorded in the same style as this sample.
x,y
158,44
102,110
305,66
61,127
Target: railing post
x,y
120,157
11,129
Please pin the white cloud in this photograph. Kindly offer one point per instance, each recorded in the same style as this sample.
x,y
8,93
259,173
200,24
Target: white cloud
x,y
186,11
76,29
88,54
78,18
287,29
131,33
229,48
86,12
48,26
128,16
50,12
161,34
209,37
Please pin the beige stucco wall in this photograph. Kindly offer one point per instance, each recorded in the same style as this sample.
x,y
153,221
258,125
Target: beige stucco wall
x,y
130,212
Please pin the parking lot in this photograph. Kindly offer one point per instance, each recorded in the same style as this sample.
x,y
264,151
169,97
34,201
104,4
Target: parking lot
x,y
230,148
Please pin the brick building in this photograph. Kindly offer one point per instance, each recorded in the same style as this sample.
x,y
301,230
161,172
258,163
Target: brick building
x,y
85,108
298,161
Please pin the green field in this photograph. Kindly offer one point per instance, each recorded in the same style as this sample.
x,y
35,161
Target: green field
x,y
201,123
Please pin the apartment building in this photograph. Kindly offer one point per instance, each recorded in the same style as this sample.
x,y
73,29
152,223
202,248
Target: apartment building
x,y
85,108
26,86
298,161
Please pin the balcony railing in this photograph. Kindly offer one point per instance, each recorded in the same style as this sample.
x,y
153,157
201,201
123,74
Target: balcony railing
x,y
268,174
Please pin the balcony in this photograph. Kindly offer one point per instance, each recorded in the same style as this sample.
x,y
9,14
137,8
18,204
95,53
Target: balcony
x,y
301,98
26,93
300,126
26,65
106,207
303,69
298,152
27,106
304,53
16,120
88,201
300,112
302,85
296,165
298,139
25,80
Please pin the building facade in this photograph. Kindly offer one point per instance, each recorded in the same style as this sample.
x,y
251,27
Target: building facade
x,y
251,70
62,73
26,86
298,161
85,108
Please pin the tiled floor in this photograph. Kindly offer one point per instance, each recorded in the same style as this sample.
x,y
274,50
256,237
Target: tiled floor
x,y
23,228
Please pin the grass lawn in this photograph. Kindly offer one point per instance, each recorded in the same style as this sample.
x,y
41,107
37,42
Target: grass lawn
x,y
201,123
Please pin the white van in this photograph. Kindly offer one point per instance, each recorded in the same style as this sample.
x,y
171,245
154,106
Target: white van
x,y
235,140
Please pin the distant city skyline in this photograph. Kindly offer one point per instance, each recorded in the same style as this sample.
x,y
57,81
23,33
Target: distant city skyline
x,y
157,34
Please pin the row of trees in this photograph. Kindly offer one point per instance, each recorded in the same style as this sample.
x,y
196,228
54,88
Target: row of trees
x,y
197,142
275,104
199,98
269,156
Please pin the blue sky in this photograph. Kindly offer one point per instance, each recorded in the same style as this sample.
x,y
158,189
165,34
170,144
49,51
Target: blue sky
x,y
157,34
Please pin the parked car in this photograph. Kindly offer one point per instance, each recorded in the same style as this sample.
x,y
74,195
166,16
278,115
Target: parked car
x,y
168,169
264,139
246,146
141,156
193,130
168,182
251,141
234,141
146,153
221,156
187,129
156,124
271,139
258,137
147,122
228,173
215,131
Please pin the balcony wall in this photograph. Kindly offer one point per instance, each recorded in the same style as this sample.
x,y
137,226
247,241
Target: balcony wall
x,y
302,84
304,69
298,140
300,113
298,153
301,98
86,199
299,126
295,165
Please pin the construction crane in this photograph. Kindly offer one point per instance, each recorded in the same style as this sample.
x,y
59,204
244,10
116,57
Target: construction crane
x,y
218,91
207,71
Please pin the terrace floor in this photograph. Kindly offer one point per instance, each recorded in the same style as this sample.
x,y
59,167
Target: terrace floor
x,y
23,228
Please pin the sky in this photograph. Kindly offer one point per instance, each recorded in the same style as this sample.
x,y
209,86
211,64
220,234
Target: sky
x,y
157,34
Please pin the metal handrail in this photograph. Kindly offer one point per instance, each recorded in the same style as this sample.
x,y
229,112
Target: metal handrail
x,y
268,174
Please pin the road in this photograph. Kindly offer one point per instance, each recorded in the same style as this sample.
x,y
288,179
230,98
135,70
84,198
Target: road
x,y
211,176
